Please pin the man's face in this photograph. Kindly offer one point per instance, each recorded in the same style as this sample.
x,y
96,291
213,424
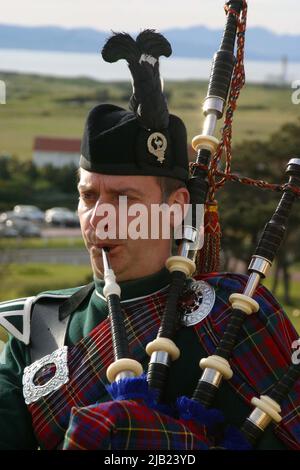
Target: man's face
x,y
130,258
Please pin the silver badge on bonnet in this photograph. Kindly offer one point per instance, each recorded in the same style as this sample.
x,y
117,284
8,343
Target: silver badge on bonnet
x,y
157,145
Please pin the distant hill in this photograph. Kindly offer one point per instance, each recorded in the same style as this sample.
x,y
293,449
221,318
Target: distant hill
x,y
197,41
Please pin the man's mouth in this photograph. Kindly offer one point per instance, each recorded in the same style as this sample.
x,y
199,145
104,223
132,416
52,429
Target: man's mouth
x,y
111,248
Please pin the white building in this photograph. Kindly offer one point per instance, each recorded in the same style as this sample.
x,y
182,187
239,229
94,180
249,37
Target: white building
x,y
58,152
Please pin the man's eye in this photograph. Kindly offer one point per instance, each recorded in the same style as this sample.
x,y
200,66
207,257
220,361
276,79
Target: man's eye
x,y
87,196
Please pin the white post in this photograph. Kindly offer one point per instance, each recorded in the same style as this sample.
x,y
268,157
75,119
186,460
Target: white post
x,y
2,92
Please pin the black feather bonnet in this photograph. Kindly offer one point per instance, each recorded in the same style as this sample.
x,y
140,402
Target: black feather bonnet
x,y
146,140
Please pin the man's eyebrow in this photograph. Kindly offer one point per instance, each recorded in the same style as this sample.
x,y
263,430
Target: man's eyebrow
x,y
84,186
126,189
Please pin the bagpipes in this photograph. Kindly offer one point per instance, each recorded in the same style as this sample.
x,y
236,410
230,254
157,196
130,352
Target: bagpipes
x,y
139,399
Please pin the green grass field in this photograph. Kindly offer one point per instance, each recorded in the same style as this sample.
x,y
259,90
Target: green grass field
x,y
40,243
39,105
30,279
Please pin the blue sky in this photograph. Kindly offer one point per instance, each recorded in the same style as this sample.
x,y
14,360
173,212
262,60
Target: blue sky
x,y
132,15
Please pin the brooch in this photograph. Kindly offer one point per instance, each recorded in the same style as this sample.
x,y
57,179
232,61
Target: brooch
x,y
196,302
58,363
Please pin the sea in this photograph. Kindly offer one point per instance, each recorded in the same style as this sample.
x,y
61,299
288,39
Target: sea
x,y
69,64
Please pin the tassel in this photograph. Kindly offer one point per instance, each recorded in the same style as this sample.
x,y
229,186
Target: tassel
x,y
208,258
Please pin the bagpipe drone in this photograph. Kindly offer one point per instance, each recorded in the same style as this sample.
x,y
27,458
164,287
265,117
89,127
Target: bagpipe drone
x,y
192,418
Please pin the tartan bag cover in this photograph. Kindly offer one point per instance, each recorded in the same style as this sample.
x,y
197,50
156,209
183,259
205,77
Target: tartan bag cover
x,y
128,424
260,358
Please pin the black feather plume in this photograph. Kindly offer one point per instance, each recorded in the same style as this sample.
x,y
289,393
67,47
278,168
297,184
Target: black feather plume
x,y
147,101
120,46
153,43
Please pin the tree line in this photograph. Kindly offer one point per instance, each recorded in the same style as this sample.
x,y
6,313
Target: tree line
x,y
244,210
22,182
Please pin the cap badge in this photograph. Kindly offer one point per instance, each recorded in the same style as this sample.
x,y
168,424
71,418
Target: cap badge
x,y
157,145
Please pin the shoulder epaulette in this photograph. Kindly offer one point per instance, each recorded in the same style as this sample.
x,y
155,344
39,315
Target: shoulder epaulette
x,y
15,315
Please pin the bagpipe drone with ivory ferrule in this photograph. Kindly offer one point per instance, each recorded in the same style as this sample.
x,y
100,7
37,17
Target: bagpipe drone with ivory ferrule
x,y
123,366
147,100
216,367
268,407
163,350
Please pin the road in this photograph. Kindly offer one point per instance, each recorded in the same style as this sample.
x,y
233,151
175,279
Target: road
x,y
61,232
76,256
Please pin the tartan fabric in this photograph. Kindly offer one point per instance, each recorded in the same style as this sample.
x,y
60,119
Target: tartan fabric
x,y
263,353
123,425
260,358
87,362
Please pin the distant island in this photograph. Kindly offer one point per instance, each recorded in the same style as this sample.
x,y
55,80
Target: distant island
x,y
192,42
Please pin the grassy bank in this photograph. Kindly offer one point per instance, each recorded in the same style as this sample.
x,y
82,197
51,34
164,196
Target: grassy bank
x,y
38,105
40,243
30,279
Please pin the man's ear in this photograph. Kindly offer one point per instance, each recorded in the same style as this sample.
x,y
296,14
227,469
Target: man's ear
x,y
179,199
180,196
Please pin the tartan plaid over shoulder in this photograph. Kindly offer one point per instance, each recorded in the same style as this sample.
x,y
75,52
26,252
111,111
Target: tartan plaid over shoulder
x,y
259,360
263,353
87,363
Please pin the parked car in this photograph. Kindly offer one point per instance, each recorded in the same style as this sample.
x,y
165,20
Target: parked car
x,y
25,228
4,216
27,212
7,232
61,216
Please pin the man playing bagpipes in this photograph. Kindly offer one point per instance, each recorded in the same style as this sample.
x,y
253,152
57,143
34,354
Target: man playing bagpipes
x,y
66,346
